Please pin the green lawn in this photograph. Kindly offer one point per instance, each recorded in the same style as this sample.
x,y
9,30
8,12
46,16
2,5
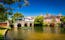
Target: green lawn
x,y
2,33
1,37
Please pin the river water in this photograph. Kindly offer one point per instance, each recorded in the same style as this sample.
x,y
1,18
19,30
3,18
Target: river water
x,y
35,33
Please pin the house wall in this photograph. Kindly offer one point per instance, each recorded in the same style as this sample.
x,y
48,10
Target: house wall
x,y
57,20
4,24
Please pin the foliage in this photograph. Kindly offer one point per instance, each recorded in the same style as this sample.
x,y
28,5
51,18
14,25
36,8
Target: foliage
x,y
2,8
38,20
1,37
6,11
9,1
3,15
62,18
16,16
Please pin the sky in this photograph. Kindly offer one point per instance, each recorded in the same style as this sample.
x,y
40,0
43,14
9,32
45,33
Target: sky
x,y
37,7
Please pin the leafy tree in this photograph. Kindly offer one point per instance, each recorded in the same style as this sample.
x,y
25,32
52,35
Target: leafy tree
x,y
62,18
9,1
3,15
3,10
17,15
38,20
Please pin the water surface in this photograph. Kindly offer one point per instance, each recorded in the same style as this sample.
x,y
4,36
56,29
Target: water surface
x,y
35,33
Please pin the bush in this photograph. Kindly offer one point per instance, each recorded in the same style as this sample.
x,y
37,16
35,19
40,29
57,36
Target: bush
x,y
38,21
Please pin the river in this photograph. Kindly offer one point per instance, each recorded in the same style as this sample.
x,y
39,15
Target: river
x,y
35,33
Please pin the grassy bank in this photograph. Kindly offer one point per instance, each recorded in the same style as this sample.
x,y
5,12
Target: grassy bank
x,y
2,33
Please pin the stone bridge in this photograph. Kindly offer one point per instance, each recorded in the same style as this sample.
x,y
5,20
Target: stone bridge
x,y
24,23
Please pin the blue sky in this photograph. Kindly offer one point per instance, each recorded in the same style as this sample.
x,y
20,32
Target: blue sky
x,y
37,7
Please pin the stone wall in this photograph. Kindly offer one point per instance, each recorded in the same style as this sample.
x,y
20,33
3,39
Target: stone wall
x,y
23,23
3,25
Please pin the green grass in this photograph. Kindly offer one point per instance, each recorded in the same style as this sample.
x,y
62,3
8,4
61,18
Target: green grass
x,y
5,28
2,33
1,37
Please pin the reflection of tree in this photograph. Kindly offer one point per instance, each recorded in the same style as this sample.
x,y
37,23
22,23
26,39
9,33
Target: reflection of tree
x,y
62,24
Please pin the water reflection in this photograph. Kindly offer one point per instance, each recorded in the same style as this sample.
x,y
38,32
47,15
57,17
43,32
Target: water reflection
x,y
38,28
36,33
62,30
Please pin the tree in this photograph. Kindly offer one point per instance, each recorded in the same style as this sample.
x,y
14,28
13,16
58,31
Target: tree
x,y
3,15
6,11
62,18
2,8
38,20
9,2
17,15
20,3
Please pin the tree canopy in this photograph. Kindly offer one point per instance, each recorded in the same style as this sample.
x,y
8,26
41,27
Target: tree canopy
x,y
6,11
38,20
3,15
62,18
17,15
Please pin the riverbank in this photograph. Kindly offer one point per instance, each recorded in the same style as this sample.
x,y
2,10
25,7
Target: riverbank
x,y
3,31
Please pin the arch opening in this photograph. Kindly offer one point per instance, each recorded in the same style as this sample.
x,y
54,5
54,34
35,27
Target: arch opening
x,y
19,25
30,24
25,25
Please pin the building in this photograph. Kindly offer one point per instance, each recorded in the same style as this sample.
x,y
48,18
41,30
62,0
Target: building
x,y
51,18
29,21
